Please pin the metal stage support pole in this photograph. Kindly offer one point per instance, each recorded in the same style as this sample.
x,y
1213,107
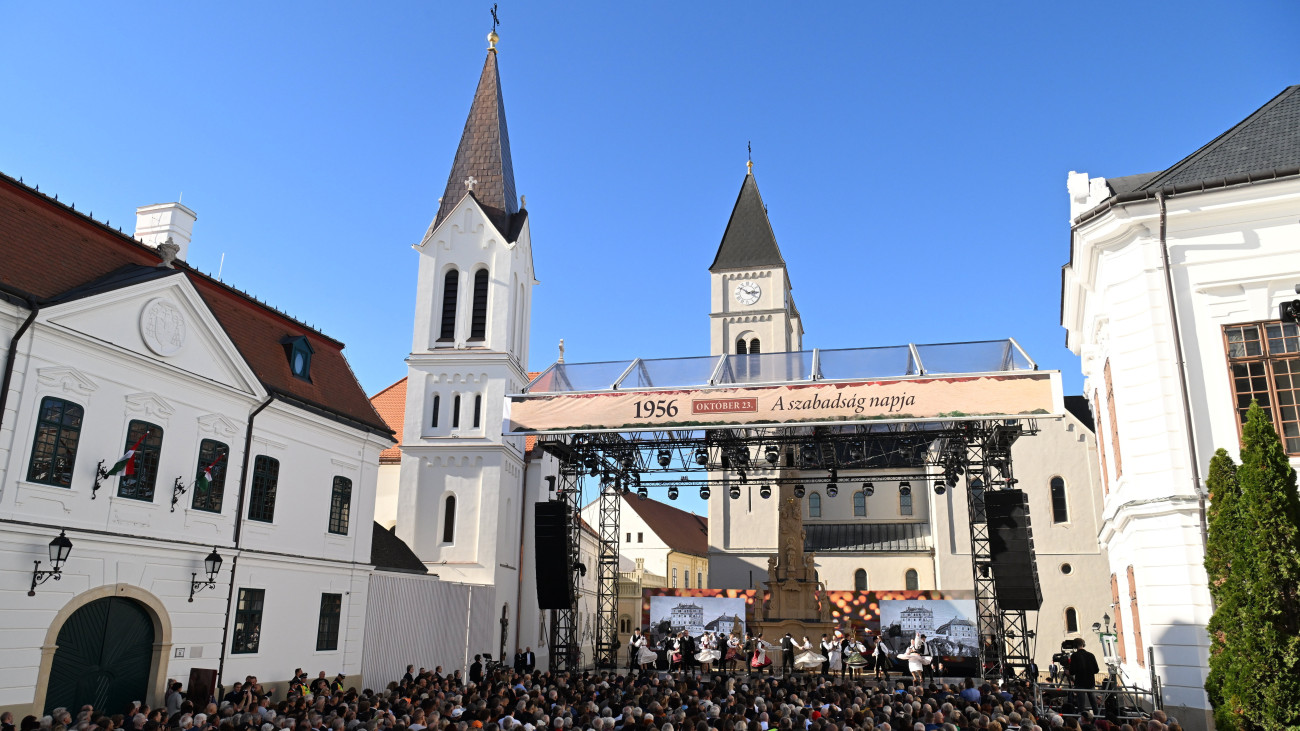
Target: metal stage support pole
x,y
564,622
1004,641
607,577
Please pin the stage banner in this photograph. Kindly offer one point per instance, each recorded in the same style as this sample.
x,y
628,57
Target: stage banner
x,y
1001,396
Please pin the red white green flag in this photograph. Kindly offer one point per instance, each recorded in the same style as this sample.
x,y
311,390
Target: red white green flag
x,y
126,465
205,479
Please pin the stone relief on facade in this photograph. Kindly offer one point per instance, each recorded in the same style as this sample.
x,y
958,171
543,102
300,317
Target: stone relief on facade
x,y
162,326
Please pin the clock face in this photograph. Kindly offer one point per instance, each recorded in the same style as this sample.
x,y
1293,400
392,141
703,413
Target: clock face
x,y
747,292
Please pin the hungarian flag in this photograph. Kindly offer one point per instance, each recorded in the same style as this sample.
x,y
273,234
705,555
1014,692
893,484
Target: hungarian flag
x,y
205,479
126,465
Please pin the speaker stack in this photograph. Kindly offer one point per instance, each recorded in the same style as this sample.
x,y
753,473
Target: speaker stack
x,y
1011,545
554,580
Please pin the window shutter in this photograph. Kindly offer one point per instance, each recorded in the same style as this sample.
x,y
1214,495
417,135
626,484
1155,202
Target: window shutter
x,y
450,285
478,315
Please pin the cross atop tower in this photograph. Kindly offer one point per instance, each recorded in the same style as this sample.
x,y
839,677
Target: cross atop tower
x,y
470,182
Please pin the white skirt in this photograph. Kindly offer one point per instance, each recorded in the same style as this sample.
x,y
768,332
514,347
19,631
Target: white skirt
x,y
646,655
808,659
707,655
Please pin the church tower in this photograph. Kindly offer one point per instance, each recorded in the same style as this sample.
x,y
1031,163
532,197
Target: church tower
x,y
753,310
461,481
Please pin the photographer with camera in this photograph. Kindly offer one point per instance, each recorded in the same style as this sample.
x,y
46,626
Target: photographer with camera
x,y
1083,668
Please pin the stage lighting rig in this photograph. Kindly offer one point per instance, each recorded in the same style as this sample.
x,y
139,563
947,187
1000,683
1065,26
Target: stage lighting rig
x,y
589,461
765,491
642,493
701,457
832,489
628,461
799,491
868,489
672,492
705,492
939,487
665,458
772,454
904,488
735,492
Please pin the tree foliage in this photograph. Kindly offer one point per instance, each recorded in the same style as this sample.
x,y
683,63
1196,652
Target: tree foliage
x,y
1253,565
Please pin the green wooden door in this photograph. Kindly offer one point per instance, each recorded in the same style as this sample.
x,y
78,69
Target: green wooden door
x,y
105,649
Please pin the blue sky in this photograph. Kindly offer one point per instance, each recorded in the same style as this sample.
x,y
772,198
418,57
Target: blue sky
x,y
913,157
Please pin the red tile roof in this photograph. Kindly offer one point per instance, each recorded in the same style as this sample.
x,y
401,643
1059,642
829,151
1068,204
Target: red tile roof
x,y
390,404
682,531
46,249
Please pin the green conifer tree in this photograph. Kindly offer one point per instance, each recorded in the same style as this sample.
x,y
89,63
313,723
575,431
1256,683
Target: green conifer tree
x,y
1223,551
1269,610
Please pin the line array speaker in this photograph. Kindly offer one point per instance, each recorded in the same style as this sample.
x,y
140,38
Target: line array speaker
x,y
1011,545
551,531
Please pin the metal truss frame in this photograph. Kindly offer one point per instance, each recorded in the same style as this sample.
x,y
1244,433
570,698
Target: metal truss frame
x,y
980,450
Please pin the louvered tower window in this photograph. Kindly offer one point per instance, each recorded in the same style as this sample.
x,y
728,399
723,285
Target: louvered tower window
x,y
478,316
450,287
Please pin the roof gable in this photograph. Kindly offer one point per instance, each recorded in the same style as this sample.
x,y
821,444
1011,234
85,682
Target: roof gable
x,y
484,156
390,404
1268,139
681,531
748,241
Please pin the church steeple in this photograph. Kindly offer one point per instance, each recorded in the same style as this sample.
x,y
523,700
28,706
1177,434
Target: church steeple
x,y
482,167
748,241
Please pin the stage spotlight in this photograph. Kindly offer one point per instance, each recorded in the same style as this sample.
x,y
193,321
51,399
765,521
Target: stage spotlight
x,y
590,461
905,488
868,489
735,492
672,493
855,452
798,491
940,488
808,452
665,458
772,455
765,491
642,493
595,470
832,489
701,457
704,492
628,462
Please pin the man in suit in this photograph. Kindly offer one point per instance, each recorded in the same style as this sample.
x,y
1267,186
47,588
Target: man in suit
x,y
476,670
519,661
530,660
787,654
827,647
1083,668
634,645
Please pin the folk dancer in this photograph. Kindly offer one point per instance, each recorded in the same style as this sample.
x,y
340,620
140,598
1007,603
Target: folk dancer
x,y
831,650
708,652
760,661
808,658
634,645
857,660
788,646
881,657
646,656
733,652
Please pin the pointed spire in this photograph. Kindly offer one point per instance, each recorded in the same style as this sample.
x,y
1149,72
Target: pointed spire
x,y
482,167
748,241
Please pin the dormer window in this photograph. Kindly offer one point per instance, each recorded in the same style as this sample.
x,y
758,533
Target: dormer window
x,y
299,351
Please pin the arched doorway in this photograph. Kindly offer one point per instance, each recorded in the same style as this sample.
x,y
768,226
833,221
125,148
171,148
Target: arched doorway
x,y
104,657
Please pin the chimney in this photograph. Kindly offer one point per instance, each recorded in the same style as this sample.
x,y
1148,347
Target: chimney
x,y
161,222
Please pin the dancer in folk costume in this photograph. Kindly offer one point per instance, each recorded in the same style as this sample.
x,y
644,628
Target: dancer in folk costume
x,y
675,656
916,662
732,653
807,658
646,656
634,645
881,657
760,660
856,660
831,649
708,652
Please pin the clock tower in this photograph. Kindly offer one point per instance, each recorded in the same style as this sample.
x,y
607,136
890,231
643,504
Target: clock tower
x,y
752,308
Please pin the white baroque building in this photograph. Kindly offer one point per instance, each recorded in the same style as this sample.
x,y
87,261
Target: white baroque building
x,y
110,343
1171,297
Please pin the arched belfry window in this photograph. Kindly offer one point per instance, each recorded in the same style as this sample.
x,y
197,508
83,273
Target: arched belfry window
x,y
753,347
910,580
1060,505
455,412
478,315
860,580
741,348
1071,620
450,289
437,403
449,520
814,505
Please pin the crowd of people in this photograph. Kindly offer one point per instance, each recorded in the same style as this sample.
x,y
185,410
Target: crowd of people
x,y
505,698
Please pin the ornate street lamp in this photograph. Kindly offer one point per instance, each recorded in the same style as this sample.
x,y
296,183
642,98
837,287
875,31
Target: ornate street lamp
x,y
211,564
60,547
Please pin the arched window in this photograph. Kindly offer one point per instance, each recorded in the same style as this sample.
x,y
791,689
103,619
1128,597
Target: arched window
x,y
449,520
859,504
1060,507
904,503
814,505
860,579
478,410
699,579
625,625
478,314
741,348
54,450
1071,620
340,505
437,403
450,286
455,412
753,347
910,581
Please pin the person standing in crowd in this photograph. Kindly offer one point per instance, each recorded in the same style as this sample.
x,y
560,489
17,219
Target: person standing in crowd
x,y
1083,668
787,654
530,660
827,650
476,670
732,653
634,645
881,657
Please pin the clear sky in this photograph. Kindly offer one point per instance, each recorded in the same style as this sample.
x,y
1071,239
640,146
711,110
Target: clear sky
x,y
913,156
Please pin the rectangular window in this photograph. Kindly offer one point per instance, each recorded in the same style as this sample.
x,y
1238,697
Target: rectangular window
x,y
54,450
1264,364
139,484
327,629
210,476
629,538
640,538
674,578
455,412
436,399
478,410
904,503
340,505
699,579
248,621
1114,423
687,577
1060,506
266,476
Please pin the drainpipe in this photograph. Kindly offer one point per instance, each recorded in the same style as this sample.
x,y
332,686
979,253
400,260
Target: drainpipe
x,y
239,524
1182,376
13,353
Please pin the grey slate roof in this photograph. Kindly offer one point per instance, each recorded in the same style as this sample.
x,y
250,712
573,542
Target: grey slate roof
x,y
866,537
1129,183
390,553
748,241
1269,139
484,154
125,276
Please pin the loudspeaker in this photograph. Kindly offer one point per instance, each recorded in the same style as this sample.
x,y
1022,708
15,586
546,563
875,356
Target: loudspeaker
x,y
551,530
1011,545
